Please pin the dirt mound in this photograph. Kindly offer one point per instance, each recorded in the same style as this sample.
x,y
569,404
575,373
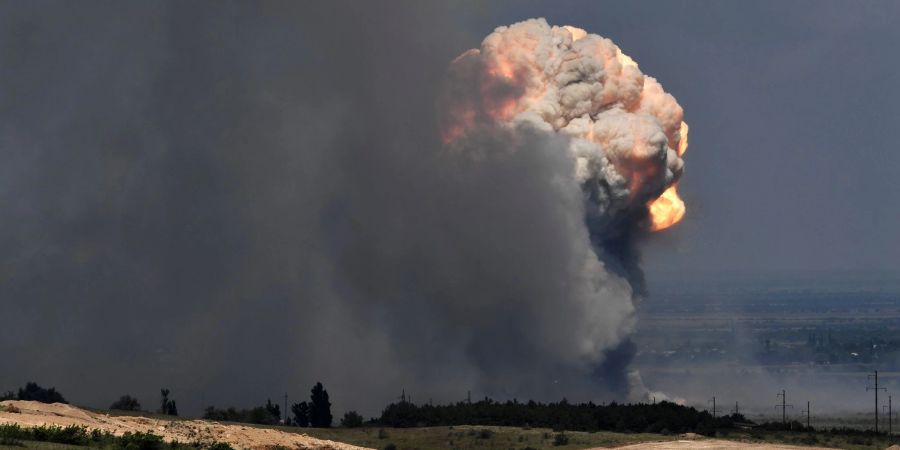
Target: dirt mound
x,y
30,414
712,444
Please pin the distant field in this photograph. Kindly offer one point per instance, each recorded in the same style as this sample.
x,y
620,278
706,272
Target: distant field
x,y
460,438
478,437
512,438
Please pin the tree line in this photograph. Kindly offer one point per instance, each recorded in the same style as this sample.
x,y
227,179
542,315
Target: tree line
x,y
314,413
33,391
662,417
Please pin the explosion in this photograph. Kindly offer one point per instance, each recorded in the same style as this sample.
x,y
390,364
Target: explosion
x,y
619,139
626,134
668,209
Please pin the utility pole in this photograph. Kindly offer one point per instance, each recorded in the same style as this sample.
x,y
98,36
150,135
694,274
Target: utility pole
x,y
890,418
807,414
783,406
714,410
737,410
876,389
284,416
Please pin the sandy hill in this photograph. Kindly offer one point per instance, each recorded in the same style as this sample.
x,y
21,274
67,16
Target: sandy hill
x,y
239,436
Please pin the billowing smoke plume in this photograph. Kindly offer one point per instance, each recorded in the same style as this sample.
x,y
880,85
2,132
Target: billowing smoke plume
x,y
236,202
626,134
623,136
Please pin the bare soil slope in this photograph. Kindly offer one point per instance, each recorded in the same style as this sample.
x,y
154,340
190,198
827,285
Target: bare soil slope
x,y
245,437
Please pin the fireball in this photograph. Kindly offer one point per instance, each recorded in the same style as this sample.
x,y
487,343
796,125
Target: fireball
x,y
626,134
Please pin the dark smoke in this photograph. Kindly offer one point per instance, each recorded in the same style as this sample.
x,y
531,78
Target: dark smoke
x,y
234,200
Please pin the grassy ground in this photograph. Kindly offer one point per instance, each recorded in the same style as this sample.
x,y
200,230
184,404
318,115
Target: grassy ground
x,y
41,446
455,438
476,438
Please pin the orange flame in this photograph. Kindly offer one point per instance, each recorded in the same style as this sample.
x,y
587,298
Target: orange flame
x,y
668,209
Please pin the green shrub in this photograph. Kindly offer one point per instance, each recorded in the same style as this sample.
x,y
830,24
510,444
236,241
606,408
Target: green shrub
x,y
351,419
485,433
382,434
390,447
13,431
140,441
102,437
560,439
220,446
72,435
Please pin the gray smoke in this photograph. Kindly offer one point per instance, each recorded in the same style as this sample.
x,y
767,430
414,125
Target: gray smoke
x,y
237,200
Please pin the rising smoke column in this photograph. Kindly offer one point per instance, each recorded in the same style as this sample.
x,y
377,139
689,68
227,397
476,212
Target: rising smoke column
x,y
215,194
623,133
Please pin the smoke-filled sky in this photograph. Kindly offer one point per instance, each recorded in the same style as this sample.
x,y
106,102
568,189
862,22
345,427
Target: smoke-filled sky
x,y
234,200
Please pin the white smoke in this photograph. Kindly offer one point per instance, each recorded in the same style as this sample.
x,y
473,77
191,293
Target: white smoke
x,y
624,128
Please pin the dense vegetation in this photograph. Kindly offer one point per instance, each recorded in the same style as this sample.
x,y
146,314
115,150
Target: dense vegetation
x,y
663,417
268,414
13,435
352,419
126,403
32,391
315,413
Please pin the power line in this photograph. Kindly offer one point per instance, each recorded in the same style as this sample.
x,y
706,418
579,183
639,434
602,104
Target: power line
x,y
876,389
807,414
890,418
714,410
783,406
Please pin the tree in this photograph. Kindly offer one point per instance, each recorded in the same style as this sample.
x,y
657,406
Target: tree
x,y
32,391
126,403
351,419
260,415
164,400
274,410
301,414
166,405
320,409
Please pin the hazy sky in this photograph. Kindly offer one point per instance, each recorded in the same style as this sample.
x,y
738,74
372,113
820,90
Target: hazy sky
x,y
793,160
210,195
